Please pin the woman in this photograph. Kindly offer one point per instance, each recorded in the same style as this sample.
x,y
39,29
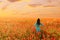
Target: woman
x,y
37,25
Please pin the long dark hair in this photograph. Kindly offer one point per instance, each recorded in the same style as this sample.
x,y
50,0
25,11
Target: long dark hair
x,y
38,21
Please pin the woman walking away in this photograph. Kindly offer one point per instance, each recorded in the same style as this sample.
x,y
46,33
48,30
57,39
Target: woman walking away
x,y
37,26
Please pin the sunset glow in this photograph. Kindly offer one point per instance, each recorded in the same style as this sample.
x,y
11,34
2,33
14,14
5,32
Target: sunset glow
x,y
29,19
28,7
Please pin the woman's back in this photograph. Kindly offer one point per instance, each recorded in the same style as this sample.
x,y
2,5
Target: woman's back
x,y
37,25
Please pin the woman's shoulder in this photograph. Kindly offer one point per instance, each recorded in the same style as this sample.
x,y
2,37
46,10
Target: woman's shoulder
x,y
41,24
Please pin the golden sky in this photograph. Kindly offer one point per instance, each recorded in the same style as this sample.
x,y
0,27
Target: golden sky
x,y
29,8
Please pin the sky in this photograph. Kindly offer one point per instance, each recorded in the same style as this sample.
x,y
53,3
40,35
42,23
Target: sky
x,y
46,2
29,8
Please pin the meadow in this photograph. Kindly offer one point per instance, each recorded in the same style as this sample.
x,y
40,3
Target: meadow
x,y
24,29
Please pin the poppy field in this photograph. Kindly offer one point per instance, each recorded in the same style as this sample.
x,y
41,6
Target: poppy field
x,y
24,29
